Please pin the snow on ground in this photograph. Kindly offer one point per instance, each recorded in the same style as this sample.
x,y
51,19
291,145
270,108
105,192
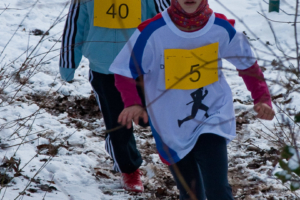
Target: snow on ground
x,y
63,155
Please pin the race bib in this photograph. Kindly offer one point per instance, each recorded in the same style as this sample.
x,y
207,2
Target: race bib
x,y
117,14
191,69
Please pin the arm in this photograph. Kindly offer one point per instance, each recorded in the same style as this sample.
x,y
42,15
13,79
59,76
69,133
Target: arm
x,y
255,83
132,66
133,106
72,39
127,88
239,53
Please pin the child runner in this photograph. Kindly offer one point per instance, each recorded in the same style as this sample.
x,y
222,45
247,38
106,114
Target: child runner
x,y
98,30
189,102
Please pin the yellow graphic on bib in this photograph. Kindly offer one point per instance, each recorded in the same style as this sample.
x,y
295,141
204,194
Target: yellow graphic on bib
x,y
191,69
119,14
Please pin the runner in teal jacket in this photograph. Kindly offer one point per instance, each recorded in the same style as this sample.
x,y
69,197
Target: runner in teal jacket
x,y
99,45
98,30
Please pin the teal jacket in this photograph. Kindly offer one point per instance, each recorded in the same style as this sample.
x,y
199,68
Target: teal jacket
x,y
99,45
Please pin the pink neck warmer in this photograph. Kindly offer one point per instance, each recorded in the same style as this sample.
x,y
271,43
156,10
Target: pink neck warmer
x,y
198,19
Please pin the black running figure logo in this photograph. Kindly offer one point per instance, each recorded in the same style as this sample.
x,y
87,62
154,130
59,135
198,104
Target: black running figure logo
x,y
198,105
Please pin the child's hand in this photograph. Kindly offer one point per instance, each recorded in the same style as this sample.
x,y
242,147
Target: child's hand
x,y
264,111
132,113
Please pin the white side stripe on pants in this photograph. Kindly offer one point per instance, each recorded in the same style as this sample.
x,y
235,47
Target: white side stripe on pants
x,y
108,143
109,148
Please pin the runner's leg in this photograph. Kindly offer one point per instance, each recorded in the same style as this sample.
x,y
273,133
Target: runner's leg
x,y
205,108
187,174
192,116
211,155
120,143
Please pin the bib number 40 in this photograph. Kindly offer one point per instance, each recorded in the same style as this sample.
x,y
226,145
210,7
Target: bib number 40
x,y
117,14
123,11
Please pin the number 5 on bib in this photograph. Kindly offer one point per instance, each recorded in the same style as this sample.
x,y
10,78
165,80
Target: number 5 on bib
x,y
191,69
117,14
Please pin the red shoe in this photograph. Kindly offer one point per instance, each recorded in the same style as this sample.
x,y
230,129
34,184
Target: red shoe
x,y
132,182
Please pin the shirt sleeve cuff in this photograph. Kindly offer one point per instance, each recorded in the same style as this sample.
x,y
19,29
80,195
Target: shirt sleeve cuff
x,y
127,87
256,84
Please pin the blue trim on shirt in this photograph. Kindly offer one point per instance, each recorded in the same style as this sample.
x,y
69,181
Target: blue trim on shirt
x,y
165,152
225,24
135,63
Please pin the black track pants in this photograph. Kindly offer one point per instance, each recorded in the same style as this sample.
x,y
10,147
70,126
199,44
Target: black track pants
x,y
120,143
203,172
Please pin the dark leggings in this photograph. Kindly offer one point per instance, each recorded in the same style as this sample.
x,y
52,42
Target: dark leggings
x,y
120,143
203,172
